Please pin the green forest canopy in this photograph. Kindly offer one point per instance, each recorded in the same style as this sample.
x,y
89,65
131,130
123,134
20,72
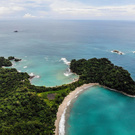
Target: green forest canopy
x,y
105,73
26,110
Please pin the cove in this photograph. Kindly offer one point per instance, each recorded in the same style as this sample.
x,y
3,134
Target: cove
x,y
99,111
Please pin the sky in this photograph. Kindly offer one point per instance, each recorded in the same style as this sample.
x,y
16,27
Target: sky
x,y
68,9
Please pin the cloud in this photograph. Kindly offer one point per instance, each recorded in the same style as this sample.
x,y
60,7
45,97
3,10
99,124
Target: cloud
x,y
64,9
28,15
79,10
5,11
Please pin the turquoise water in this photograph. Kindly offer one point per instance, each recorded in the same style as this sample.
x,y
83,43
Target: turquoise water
x,y
42,44
98,111
48,71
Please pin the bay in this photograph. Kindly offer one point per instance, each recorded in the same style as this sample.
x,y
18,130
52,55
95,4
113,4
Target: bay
x,y
98,111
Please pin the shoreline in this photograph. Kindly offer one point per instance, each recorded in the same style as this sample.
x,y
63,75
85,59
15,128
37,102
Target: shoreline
x,y
62,108
117,91
72,95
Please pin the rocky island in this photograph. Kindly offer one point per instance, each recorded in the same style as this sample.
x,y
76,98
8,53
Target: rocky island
x,y
13,58
118,52
15,31
26,109
16,59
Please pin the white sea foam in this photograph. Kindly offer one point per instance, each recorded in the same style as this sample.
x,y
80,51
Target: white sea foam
x,y
62,123
25,67
37,76
68,103
13,64
34,76
79,91
63,120
31,74
68,72
65,61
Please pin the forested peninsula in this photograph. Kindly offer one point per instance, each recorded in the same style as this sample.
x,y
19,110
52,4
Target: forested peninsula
x,y
26,109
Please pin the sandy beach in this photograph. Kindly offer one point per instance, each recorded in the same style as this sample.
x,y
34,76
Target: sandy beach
x,y
66,102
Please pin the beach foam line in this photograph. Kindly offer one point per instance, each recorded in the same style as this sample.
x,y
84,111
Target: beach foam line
x,y
63,120
68,72
60,121
65,61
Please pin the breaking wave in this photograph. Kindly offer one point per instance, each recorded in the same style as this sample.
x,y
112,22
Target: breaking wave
x,y
34,76
65,61
62,123
31,74
68,72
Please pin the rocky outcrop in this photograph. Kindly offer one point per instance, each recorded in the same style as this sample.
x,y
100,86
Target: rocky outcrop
x,y
118,52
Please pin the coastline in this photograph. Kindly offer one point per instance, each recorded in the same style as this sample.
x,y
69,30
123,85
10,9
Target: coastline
x,y
117,91
66,102
73,94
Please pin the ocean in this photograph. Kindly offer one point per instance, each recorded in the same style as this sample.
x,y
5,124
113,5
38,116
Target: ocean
x,y
47,47
99,111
